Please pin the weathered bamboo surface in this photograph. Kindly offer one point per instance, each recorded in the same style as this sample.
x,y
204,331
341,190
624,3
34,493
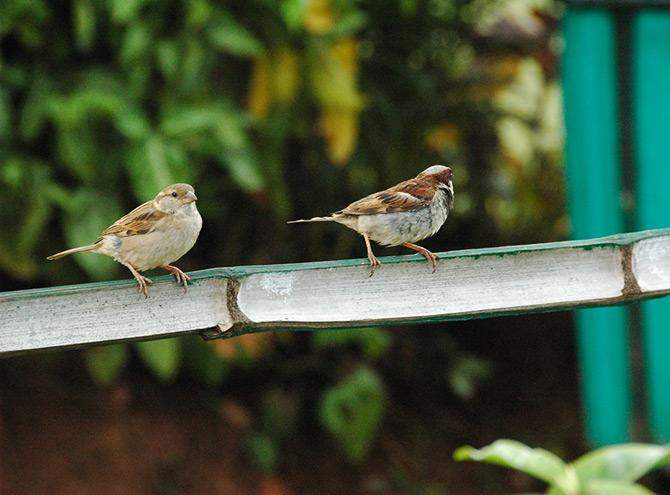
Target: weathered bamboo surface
x,y
225,302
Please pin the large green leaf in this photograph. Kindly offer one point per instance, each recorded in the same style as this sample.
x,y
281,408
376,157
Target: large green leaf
x,y
162,357
609,487
135,43
83,20
348,24
539,463
352,411
293,12
244,170
222,120
123,11
185,121
192,66
155,164
627,462
89,213
36,216
105,363
198,12
99,94
13,169
5,115
168,58
228,35
36,107
133,123
76,150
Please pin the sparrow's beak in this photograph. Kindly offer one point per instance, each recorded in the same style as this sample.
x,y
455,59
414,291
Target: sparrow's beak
x,y
190,197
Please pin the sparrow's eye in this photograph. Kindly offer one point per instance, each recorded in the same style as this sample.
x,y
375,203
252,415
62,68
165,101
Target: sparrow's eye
x,y
174,194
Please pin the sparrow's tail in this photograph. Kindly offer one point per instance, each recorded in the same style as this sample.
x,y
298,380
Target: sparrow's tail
x,y
68,252
315,219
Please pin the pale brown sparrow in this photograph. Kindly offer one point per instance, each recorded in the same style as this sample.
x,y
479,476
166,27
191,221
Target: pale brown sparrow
x,y
401,215
153,235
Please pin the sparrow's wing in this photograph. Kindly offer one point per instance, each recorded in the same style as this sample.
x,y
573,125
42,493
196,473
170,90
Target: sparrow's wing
x,y
409,195
141,220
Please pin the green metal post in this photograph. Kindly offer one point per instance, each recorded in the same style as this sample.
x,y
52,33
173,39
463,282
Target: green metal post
x,y
651,93
594,193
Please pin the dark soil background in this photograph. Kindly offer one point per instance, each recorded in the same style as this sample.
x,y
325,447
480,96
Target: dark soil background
x,y
63,435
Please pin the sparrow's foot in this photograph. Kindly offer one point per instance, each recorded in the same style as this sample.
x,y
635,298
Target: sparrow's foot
x,y
143,284
180,276
430,256
374,263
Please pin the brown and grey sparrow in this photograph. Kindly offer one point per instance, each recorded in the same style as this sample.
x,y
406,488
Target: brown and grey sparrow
x,y
153,235
401,215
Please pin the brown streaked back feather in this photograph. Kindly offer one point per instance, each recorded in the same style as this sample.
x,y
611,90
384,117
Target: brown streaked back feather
x,y
408,195
141,220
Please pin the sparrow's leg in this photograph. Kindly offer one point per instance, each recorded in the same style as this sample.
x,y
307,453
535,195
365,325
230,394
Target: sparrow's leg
x,y
142,281
181,277
432,257
374,262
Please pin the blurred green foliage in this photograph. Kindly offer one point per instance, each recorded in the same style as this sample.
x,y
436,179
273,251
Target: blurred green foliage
x,y
351,411
272,110
105,363
374,342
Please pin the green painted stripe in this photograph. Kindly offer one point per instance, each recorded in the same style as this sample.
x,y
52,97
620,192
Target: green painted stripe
x,y
651,83
613,241
594,189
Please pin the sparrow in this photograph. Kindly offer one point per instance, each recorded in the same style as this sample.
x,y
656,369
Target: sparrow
x,y
400,215
153,235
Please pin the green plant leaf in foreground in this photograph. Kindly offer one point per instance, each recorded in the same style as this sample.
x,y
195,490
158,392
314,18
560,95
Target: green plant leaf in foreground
x,y
613,487
606,471
626,462
538,463
162,357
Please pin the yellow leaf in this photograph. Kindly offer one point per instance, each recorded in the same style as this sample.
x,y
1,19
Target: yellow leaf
x,y
319,18
444,136
286,75
340,129
345,52
259,97
336,85
333,73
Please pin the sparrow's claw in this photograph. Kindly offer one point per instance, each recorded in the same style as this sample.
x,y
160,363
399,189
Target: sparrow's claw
x,y
143,284
180,277
432,257
374,263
